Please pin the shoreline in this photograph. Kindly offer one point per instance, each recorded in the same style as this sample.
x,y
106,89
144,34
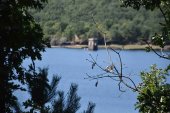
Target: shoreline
x,y
114,46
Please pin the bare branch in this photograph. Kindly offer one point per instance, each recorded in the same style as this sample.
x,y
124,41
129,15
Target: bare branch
x,y
164,15
116,75
112,71
161,56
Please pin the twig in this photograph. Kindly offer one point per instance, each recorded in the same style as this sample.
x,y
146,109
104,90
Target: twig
x,y
116,73
161,56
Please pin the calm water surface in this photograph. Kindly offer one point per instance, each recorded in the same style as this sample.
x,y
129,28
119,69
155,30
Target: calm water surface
x,y
72,66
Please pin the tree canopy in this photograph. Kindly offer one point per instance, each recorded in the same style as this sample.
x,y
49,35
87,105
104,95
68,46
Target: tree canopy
x,y
154,96
163,6
62,20
46,98
20,38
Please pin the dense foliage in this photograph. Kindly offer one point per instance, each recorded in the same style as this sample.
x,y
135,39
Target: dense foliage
x,y
163,6
154,95
63,20
20,38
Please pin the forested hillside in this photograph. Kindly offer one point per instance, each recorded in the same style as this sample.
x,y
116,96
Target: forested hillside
x,y
73,21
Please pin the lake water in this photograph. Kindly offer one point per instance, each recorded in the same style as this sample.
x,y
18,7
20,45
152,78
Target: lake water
x,y
72,66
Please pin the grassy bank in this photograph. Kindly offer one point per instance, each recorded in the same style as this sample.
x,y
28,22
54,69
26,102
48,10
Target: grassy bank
x,y
115,46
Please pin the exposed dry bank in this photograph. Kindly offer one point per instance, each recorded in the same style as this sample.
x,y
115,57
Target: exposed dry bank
x,y
115,46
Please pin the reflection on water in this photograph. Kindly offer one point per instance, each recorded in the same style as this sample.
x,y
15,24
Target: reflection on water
x,y
72,66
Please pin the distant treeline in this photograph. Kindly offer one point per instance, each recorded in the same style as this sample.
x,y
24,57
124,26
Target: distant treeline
x,y
74,21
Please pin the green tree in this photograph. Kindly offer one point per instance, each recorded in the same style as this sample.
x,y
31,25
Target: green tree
x,y
43,93
75,17
71,105
154,92
20,38
162,38
40,90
